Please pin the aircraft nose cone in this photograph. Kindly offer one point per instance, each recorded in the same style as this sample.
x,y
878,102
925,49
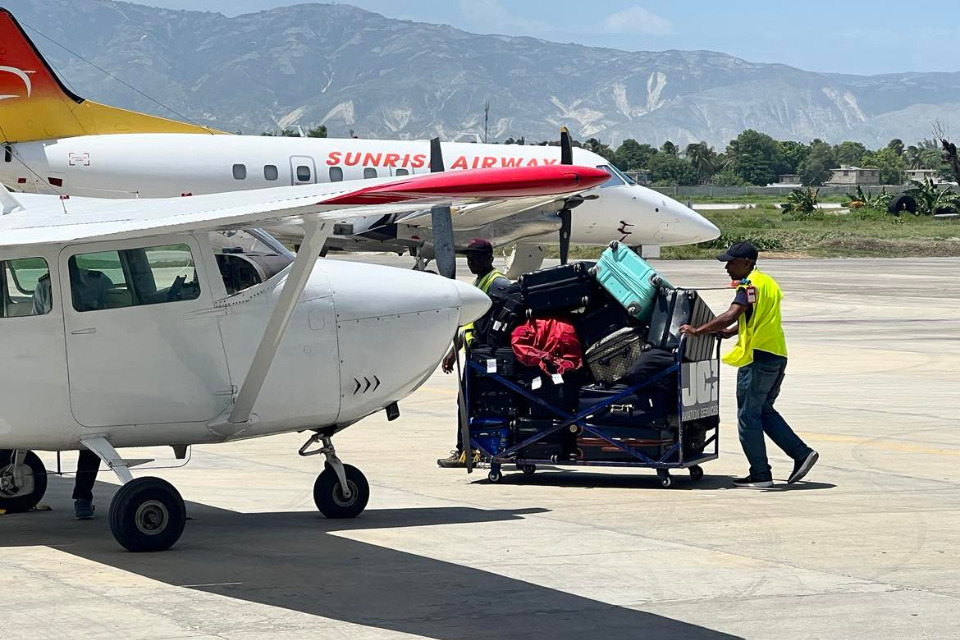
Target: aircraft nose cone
x,y
473,302
686,227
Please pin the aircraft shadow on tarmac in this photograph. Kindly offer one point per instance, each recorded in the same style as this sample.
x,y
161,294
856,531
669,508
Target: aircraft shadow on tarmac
x,y
288,560
644,479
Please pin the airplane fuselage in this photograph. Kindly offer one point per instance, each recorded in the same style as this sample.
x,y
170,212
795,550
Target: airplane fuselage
x,y
167,165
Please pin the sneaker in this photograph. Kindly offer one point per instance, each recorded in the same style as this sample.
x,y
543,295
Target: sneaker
x,y
753,482
456,460
802,467
83,509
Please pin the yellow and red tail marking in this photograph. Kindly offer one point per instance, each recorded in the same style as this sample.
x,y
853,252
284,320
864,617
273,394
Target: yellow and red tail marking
x,y
34,104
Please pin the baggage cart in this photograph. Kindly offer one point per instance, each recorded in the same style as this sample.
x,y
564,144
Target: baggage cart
x,y
697,416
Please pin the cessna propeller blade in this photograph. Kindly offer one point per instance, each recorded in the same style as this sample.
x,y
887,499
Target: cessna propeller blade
x,y
566,218
444,249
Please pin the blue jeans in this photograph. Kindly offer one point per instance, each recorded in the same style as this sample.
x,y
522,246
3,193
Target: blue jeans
x,y
758,385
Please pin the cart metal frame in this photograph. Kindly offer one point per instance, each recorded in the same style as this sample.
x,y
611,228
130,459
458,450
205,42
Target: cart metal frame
x,y
663,464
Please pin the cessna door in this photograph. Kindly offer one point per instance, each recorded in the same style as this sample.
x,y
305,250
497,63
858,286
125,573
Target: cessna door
x,y
143,344
303,170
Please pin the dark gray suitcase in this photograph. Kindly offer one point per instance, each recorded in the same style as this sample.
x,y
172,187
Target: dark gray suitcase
x,y
610,359
562,288
675,308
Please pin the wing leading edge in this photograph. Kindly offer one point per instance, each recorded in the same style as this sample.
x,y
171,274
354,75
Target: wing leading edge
x,y
61,221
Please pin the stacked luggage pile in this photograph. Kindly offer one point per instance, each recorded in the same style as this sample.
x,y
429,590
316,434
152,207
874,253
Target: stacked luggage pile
x,y
580,364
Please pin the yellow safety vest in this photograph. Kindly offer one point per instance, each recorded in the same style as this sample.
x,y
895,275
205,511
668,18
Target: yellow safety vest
x,y
484,285
763,331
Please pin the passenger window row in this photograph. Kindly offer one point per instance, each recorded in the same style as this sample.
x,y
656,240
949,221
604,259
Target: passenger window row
x,y
304,174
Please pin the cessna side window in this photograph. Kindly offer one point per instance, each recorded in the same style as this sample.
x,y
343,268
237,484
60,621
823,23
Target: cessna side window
x,y
369,172
240,171
402,172
336,174
303,173
270,172
132,277
25,285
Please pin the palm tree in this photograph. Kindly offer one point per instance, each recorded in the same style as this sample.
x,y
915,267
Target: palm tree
x,y
704,159
913,157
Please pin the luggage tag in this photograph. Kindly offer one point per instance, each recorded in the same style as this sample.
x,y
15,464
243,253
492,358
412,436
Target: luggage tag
x,y
492,365
537,383
557,378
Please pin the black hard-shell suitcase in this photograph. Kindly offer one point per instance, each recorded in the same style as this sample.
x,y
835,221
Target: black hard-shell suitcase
x,y
595,324
489,399
559,445
557,289
675,308
500,360
610,359
562,396
635,410
506,311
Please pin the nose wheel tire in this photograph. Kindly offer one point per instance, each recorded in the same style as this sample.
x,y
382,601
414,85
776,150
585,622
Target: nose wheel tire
x,y
21,486
329,495
147,514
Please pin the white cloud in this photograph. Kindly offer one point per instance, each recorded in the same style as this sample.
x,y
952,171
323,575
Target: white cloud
x,y
636,19
491,15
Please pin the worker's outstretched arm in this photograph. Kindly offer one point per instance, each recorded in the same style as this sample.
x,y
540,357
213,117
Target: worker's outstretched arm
x,y
720,324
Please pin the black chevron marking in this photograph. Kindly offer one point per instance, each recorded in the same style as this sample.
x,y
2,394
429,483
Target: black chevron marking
x,y
377,381
366,388
358,386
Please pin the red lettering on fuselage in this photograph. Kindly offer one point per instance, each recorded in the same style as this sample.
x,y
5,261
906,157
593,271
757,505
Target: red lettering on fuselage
x,y
391,159
352,159
461,163
419,161
510,162
488,161
371,159
333,158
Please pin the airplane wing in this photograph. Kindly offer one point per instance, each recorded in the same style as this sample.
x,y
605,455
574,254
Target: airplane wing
x,y
62,220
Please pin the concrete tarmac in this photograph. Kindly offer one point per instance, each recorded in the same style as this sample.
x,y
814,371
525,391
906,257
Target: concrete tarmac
x,y
868,547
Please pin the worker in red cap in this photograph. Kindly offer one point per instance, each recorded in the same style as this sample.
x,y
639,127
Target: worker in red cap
x,y
492,282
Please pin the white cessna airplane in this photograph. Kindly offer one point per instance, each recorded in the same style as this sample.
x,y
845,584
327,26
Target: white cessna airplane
x,y
56,142
134,323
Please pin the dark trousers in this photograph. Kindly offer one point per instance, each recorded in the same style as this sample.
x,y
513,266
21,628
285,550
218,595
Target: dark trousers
x,y
758,385
460,420
87,468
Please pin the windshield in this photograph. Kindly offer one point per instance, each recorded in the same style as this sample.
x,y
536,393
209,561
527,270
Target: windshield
x,y
256,241
623,176
614,180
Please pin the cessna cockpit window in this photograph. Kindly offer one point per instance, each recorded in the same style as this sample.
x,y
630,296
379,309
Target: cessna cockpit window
x,y
248,257
240,171
25,284
614,180
132,277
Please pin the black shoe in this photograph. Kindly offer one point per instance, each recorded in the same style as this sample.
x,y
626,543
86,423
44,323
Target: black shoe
x,y
83,509
802,466
456,461
753,482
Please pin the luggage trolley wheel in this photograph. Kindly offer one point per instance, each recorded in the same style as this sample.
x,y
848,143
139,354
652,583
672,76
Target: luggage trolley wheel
x,y
696,473
665,480
528,469
495,476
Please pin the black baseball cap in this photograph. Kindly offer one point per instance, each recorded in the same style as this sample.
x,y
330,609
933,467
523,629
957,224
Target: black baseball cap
x,y
739,250
479,245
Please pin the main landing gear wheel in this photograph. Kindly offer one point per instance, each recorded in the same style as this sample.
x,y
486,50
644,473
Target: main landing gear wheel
x,y
23,481
665,480
330,497
696,473
147,514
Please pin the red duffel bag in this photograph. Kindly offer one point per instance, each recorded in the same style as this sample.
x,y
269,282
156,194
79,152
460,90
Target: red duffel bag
x,y
548,343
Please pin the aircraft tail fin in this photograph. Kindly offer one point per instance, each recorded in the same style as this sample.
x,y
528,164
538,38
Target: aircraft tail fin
x,y
35,105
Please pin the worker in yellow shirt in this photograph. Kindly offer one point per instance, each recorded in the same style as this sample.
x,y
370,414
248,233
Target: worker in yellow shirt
x,y
761,356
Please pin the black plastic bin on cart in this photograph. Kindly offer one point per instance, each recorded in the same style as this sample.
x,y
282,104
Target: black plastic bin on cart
x,y
621,426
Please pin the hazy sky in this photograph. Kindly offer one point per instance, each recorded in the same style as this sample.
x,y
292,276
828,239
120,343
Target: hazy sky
x,y
856,36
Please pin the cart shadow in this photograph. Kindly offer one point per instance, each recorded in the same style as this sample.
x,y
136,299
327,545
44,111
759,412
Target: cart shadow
x,y
558,477
303,562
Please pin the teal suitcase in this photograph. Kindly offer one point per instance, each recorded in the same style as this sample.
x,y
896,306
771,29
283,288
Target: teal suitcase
x,y
629,280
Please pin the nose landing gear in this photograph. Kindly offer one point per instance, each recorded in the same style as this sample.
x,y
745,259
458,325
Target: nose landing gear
x,y
341,490
23,480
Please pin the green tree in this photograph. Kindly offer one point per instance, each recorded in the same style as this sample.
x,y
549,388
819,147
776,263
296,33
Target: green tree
x,y
816,167
597,147
913,157
668,170
670,149
889,162
896,145
849,153
512,140
755,157
704,160
793,154
632,155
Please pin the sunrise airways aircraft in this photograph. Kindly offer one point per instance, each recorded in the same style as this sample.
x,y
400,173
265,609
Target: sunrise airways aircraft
x,y
178,321
54,141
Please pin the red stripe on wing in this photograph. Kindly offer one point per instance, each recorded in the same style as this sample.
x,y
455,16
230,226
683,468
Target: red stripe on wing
x,y
480,183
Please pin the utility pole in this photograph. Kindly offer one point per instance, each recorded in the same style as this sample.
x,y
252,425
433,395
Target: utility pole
x,y
486,120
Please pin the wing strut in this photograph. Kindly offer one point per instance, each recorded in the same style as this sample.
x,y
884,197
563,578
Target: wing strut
x,y
315,234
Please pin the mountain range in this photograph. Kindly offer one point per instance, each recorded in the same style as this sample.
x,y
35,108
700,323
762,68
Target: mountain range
x,y
354,70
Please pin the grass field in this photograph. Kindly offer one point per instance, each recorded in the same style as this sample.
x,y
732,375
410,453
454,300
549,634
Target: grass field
x,y
863,233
